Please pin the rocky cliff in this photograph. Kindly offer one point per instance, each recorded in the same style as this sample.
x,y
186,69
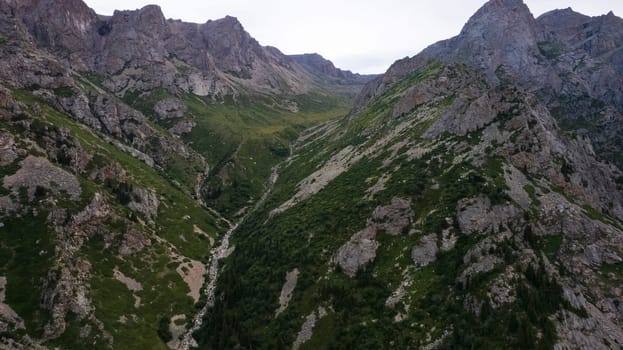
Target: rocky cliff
x,y
141,50
571,61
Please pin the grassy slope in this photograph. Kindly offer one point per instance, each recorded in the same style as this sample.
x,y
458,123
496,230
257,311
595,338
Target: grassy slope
x,y
164,292
243,139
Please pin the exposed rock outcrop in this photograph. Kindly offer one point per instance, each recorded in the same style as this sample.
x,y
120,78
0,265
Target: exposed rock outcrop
x,y
426,252
170,108
286,290
8,152
478,215
307,328
394,218
9,319
133,242
145,202
357,252
67,288
37,171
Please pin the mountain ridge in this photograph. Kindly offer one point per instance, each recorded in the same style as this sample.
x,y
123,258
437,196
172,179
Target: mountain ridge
x,y
177,185
577,63
223,47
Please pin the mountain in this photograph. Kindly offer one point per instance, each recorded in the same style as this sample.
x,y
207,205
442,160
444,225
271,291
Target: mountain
x,y
141,50
129,147
571,61
449,209
173,72
177,185
313,62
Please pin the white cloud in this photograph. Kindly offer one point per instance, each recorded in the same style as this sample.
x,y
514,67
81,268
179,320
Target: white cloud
x,y
361,35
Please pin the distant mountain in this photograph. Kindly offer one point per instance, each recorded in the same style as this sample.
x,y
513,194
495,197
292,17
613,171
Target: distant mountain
x,y
313,62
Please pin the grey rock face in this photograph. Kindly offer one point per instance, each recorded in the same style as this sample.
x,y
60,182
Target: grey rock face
x,y
357,252
97,209
8,152
66,288
142,51
572,62
502,290
476,112
182,128
145,202
307,328
37,171
108,172
47,19
170,108
133,242
502,32
287,290
478,215
318,64
393,218
426,252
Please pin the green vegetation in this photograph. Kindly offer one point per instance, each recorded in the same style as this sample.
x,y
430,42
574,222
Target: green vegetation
x,y
27,246
26,251
145,102
163,295
550,49
64,91
307,235
242,140
174,203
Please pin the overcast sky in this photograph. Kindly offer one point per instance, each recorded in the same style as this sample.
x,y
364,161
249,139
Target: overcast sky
x,y
365,36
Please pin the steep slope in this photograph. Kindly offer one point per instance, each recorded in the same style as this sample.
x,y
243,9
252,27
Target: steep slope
x,y
115,148
447,213
448,210
215,58
97,246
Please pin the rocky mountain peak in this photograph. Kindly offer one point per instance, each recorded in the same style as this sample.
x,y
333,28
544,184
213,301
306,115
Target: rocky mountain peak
x,y
561,18
152,14
502,9
502,33
61,8
62,26
50,16
229,22
501,25
233,48
563,57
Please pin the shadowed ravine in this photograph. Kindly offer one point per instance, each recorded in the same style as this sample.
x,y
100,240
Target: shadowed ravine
x,y
223,251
